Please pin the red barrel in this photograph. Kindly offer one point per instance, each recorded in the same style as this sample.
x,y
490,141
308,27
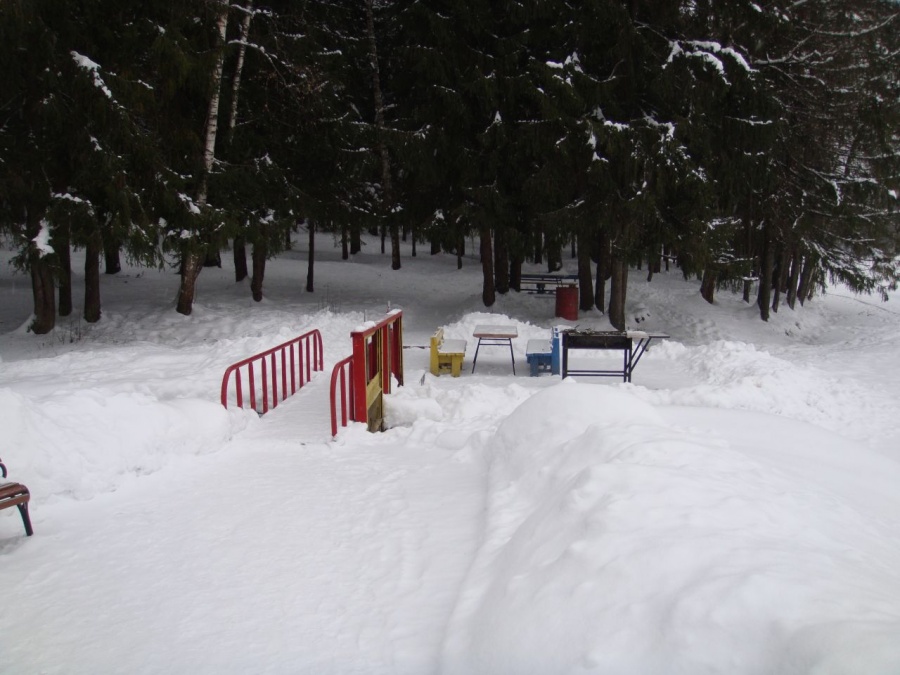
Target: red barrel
x,y
567,302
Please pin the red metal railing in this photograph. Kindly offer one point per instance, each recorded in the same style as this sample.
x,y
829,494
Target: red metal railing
x,y
290,364
343,374
364,366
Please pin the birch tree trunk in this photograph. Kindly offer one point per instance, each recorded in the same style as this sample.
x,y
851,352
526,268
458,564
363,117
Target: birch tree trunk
x,y
193,257
238,69
239,249
387,202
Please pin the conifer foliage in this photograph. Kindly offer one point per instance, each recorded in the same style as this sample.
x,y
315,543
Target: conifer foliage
x,y
756,145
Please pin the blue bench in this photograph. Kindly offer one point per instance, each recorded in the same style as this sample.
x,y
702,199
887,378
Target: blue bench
x,y
539,356
545,355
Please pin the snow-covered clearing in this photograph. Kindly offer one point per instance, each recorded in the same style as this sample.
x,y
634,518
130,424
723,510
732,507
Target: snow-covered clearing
x,y
733,510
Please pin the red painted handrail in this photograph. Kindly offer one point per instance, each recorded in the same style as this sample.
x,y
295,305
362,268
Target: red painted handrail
x,y
361,366
343,373
290,364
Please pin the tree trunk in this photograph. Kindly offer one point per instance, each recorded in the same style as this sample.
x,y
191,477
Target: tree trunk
x,y
62,246
764,295
488,297
585,283
617,288
191,262
604,269
213,256
190,270
553,249
44,295
654,263
807,276
42,283
395,242
538,235
501,260
111,255
92,278
387,202
600,291
260,253
212,115
238,69
355,240
794,279
240,258
515,272
345,243
750,251
312,257
784,261
708,285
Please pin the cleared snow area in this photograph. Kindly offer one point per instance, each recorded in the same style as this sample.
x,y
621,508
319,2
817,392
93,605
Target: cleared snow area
x,y
733,510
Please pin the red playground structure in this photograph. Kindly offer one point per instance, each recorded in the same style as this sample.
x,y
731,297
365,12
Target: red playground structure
x,y
367,374
291,364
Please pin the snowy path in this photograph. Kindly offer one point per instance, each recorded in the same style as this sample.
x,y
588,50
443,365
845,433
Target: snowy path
x,y
361,536
723,513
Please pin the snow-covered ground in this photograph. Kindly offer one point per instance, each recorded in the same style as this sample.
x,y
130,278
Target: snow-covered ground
x,y
733,510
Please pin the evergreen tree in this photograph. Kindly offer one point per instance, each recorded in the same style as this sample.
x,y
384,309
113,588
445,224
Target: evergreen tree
x,y
78,160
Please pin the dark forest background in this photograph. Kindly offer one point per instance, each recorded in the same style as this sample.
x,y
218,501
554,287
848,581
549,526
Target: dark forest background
x,y
753,145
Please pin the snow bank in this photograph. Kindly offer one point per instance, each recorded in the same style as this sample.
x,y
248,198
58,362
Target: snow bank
x,y
737,375
617,543
62,443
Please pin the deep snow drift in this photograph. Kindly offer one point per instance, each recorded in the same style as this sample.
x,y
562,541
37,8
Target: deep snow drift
x,y
734,510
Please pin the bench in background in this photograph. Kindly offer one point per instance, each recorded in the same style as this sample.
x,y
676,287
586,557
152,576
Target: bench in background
x,y
15,494
446,355
545,283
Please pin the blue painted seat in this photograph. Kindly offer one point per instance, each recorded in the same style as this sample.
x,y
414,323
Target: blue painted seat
x,y
538,353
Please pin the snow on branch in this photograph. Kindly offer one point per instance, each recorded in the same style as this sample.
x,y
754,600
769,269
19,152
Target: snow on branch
x,y
68,197
709,52
92,68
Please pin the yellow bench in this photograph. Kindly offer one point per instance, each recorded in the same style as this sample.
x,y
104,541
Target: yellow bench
x,y
446,355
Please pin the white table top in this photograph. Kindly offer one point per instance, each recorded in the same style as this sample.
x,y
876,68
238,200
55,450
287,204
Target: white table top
x,y
496,331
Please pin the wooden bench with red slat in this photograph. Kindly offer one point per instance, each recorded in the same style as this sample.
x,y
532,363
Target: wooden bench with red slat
x,y
15,494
